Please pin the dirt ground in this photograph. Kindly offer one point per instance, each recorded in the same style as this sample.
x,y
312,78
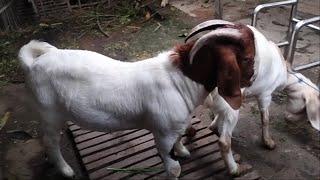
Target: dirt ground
x,y
298,145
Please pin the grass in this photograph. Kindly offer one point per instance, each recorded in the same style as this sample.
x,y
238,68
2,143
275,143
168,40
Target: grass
x,y
65,33
139,38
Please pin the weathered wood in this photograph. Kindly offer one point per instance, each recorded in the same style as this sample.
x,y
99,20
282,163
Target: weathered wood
x,y
86,149
122,154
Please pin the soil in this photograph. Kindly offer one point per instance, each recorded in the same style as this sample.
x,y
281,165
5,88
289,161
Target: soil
x,y
298,145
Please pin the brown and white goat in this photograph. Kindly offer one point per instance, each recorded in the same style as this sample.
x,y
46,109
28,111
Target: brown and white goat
x,y
270,73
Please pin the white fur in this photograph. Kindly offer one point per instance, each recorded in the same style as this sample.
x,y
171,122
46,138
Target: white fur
x,y
303,99
104,94
164,3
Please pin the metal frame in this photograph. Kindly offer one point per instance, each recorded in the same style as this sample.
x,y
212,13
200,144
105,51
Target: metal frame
x,y
293,31
218,12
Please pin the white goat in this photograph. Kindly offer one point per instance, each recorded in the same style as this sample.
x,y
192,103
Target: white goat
x,y
103,94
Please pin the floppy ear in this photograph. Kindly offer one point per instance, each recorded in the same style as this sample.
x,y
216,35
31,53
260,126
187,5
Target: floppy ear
x,y
219,49
228,80
313,112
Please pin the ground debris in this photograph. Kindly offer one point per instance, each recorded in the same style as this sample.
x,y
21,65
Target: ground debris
x,y
19,135
4,119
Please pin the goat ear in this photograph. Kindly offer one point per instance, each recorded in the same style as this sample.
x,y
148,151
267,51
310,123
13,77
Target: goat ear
x,y
228,80
313,113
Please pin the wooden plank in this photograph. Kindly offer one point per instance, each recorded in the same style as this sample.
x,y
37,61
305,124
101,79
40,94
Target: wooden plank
x,y
209,169
135,149
106,137
102,172
116,149
147,163
80,132
120,155
74,127
108,144
200,134
88,136
204,145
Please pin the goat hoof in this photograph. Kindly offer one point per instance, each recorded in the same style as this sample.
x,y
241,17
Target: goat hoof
x,y
236,171
269,144
241,169
68,172
183,153
174,170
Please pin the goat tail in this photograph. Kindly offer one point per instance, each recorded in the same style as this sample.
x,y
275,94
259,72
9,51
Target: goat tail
x,y
29,53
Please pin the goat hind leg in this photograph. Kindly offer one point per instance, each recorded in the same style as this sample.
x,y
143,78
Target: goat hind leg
x,y
51,126
264,103
165,144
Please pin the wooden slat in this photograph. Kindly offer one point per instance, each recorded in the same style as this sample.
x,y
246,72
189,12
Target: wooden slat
x,y
136,149
110,136
122,164
88,136
116,149
110,160
108,144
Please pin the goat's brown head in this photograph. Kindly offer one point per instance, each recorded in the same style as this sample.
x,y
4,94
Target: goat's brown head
x,y
222,58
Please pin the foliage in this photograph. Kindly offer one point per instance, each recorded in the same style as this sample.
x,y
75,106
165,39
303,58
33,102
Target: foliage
x,y
83,21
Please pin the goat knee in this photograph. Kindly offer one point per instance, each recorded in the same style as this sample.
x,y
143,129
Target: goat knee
x,y
173,169
224,145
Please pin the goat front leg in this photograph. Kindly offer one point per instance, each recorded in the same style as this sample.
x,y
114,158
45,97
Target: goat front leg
x,y
164,3
165,144
264,103
51,126
229,123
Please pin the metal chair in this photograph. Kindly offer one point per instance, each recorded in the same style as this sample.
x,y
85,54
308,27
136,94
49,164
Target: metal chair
x,y
293,30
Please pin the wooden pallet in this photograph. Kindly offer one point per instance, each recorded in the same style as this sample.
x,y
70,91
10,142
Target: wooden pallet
x,y
132,154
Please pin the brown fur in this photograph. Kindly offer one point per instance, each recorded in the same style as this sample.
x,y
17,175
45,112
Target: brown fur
x,y
224,62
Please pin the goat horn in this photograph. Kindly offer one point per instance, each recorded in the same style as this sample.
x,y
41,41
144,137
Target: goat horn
x,y
207,25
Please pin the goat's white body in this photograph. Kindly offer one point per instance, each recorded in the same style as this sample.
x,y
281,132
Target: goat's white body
x,y
104,94
270,68
108,95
